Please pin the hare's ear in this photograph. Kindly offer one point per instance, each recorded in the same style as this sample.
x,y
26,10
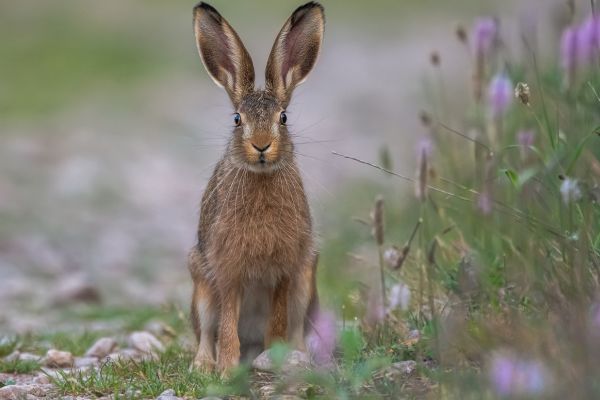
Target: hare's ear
x,y
295,51
223,53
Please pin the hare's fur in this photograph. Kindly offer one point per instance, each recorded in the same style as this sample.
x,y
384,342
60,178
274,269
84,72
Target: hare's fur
x,y
254,265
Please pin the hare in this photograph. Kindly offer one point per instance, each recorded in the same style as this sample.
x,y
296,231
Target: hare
x,y
254,265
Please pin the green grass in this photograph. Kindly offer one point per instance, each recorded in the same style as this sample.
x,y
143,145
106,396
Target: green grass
x,y
19,367
145,378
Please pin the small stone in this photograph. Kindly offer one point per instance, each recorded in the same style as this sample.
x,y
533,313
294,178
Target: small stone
x,y
41,379
145,342
29,357
125,355
102,348
294,360
84,362
132,393
59,359
168,394
18,356
60,373
24,391
159,328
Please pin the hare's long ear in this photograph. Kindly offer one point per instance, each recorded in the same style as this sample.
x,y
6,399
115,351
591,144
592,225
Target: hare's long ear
x,y
295,51
223,53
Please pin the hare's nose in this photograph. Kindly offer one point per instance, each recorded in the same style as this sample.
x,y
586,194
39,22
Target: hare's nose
x,y
261,150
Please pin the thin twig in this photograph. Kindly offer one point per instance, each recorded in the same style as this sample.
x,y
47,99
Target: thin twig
x,y
517,213
406,178
456,132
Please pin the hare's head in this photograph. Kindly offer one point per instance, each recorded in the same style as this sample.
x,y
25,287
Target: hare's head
x,y
260,141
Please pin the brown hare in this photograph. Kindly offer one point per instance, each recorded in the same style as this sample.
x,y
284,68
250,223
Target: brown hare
x,y
254,264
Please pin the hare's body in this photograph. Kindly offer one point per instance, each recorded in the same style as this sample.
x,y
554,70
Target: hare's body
x,y
254,229
254,264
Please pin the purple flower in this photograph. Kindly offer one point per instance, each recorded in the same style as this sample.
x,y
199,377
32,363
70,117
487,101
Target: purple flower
x,y
568,50
502,372
510,375
587,41
485,34
321,341
500,95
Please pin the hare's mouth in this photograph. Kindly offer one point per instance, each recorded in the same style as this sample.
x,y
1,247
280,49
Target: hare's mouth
x,y
262,167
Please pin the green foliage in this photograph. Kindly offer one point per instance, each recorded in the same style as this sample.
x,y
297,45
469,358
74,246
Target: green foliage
x,y
19,366
7,345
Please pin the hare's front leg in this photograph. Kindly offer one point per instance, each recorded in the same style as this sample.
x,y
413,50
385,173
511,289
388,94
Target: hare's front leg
x,y
204,315
302,295
278,318
228,351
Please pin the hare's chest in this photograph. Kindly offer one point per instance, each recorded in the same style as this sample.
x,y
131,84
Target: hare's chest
x,y
263,229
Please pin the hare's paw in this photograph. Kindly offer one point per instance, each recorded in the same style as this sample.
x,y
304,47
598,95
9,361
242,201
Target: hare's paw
x,y
203,363
227,363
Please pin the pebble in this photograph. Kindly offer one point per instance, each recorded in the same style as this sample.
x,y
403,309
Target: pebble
x,y
41,379
18,356
102,348
145,342
82,362
13,392
124,355
168,394
59,359
295,360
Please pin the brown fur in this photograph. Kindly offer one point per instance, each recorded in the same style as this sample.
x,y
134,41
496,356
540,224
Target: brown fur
x,y
254,265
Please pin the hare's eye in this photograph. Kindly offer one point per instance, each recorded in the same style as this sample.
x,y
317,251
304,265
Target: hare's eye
x,y
282,118
237,119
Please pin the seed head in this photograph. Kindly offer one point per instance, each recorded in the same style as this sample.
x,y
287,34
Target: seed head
x,y
378,221
434,58
395,257
461,34
522,92
424,148
425,119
